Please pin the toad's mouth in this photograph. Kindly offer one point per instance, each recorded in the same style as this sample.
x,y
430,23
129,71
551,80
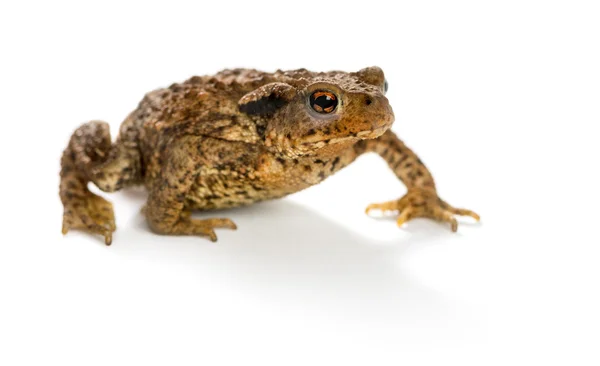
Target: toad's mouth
x,y
319,141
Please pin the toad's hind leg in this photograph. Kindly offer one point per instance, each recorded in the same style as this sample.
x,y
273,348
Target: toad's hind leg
x,y
90,156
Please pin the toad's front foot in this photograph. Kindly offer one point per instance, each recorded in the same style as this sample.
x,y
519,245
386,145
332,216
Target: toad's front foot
x,y
188,226
202,227
91,213
423,203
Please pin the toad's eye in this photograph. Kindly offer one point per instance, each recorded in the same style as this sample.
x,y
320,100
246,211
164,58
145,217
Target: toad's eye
x,y
323,101
385,87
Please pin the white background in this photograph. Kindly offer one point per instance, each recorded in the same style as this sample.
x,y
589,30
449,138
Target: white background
x,y
500,99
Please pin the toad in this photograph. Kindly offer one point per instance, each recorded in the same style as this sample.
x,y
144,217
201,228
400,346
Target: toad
x,y
239,137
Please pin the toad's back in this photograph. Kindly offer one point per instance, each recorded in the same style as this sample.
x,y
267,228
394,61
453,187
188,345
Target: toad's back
x,y
202,105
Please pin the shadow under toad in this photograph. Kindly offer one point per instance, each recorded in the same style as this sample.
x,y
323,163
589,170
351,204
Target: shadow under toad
x,y
286,253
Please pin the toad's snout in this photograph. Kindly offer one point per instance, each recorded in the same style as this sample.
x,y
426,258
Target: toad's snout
x,y
377,117
383,115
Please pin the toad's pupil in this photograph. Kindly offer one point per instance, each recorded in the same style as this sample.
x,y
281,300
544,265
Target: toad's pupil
x,y
323,101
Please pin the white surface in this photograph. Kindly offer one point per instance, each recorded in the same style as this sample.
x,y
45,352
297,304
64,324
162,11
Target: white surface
x,y
501,100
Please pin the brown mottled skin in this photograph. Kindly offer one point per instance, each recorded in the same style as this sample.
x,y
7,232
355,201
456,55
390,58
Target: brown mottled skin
x,y
235,138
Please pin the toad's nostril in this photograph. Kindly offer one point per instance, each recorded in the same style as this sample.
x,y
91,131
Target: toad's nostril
x,y
368,101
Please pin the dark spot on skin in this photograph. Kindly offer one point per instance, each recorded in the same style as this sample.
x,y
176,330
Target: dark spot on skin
x,y
335,162
295,161
319,161
257,188
402,159
281,161
267,105
260,130
368,101
307,168
311,132
288,136
220,130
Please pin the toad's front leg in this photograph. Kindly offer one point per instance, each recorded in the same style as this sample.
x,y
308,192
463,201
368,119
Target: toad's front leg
x,y
422,199
165,210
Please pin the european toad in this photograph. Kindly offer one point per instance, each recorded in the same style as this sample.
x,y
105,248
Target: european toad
x,y
239,137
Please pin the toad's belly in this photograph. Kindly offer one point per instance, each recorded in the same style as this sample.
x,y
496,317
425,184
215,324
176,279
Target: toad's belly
x,y
216,189
269,178
216,192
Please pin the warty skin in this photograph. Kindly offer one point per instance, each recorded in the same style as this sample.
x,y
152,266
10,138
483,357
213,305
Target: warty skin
x,y
239,137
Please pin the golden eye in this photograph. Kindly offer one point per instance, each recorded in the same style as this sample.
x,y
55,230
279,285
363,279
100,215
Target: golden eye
x,y
323,101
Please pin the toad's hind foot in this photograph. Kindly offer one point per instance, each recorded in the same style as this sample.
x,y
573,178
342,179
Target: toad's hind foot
x,y
90,213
